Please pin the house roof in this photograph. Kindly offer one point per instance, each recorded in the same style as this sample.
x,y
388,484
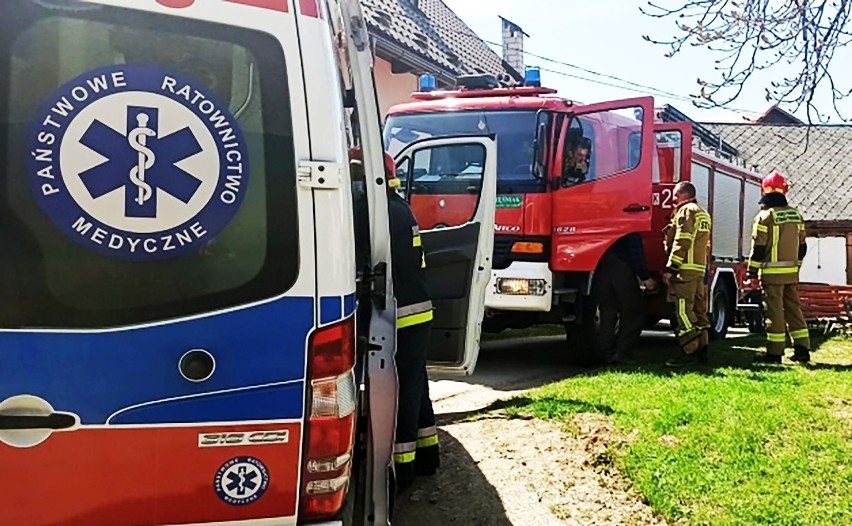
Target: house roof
x,y
817,163
432,31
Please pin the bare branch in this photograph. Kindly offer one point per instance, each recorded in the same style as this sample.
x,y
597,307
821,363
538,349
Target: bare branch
x,y
752,36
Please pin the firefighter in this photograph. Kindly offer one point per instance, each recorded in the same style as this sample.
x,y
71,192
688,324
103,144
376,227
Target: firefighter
x,y
778,248
416,447
687,242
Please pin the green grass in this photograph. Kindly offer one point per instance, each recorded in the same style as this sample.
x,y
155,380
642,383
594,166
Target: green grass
x,y
729,443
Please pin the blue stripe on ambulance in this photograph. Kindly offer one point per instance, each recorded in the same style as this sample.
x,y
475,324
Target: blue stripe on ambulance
x,y
133,374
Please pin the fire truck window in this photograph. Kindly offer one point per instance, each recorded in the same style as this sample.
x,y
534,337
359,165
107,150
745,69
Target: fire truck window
x,y
515,131
602,144
112,264
669,155
445,185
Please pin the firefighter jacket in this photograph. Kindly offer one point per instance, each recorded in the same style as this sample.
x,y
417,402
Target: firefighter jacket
x,y
409,265
687,240
778,245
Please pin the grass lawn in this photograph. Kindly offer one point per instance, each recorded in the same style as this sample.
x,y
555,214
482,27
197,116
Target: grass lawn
x,y
728,443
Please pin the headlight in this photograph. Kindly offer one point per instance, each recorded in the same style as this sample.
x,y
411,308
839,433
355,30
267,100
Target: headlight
x,y
521,287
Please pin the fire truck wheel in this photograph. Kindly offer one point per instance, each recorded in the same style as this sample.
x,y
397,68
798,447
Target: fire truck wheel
x,y
720,312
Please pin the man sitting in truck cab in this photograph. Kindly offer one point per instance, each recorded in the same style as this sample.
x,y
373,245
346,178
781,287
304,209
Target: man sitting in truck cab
x,y
576,158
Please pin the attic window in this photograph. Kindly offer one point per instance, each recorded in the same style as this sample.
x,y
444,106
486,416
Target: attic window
x,y
421,40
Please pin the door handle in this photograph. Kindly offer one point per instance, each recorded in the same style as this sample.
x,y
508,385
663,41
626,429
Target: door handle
x,y
636,208
55,421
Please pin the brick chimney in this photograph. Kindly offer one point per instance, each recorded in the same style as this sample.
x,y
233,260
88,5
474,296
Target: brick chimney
x,y
513,45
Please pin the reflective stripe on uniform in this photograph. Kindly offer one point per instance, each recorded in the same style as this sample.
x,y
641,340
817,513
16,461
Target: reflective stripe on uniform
x,y
776,233
427,431
784,270
427,441
685,324
693,266
405,452
415,308
800,334
780,264
776,337
685,235
761,228
754,264
414,319
677,259
417,241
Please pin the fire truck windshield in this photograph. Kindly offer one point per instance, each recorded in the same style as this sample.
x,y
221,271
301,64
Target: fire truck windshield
x,y
515,131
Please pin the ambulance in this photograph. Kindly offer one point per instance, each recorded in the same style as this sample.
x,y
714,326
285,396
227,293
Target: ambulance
x,y
185,334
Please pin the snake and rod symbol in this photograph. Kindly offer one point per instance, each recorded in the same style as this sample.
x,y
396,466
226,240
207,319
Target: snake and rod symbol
x,y
138,141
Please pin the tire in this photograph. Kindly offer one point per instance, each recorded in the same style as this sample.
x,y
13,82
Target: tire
x,y
755,320
720,312
585,335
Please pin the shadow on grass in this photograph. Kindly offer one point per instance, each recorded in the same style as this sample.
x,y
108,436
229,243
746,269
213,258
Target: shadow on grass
x,y
724,355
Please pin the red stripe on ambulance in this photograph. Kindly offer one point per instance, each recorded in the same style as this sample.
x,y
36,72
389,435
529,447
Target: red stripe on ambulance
x,y
275,5
105,477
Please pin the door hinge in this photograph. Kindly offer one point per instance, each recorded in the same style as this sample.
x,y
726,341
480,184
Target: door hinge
x,y
320,175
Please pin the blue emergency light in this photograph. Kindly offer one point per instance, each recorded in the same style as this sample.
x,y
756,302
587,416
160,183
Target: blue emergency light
x,y
428,83
532,76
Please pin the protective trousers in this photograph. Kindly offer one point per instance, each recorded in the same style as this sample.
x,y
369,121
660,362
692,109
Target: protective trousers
x,y
621,303
783,311
690,304
416,448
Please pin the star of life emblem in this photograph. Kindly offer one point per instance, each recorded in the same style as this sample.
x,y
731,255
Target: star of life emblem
x,y
241,481
138,163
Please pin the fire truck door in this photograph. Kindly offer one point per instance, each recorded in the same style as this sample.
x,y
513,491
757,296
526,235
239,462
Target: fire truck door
x,y
602,180
451,184
673,164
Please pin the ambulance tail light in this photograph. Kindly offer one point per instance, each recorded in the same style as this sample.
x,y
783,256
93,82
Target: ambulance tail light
x,y
330,427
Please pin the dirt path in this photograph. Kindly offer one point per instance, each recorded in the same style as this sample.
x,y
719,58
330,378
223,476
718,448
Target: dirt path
x,y
498,471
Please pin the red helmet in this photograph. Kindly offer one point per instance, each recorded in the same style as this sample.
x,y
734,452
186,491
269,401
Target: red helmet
x,y
774,182
390,171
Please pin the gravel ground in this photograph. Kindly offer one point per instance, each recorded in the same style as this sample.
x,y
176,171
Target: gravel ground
x,y
500,471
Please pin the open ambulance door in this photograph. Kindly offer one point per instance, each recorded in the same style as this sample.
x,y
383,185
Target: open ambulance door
x,y
451,185
601,180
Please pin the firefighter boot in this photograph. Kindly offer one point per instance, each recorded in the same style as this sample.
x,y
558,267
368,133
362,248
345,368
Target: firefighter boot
x,y
801,354
765,357
428,461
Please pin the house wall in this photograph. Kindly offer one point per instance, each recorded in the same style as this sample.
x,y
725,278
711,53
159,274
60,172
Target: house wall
x,y
827,261
392,88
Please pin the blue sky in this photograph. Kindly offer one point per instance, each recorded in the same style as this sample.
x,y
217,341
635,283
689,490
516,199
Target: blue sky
x,y
606,36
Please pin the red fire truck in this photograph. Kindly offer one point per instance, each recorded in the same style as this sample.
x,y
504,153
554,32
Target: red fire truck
x,y
552,227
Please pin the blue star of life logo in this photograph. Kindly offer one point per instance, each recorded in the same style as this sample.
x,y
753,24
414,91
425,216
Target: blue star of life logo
x,y
241,481
141,162
138,163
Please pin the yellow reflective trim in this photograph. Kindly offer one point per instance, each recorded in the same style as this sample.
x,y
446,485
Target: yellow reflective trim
x,y
404,458
800,334
754,264
417,241
776,337
677,259
427,441
777,270
761,228
776,233
414,319
693,266
685,324
685,235
423,263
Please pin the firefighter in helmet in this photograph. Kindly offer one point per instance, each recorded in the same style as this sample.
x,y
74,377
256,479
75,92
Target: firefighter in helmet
x,y
416,447
778,248
687,242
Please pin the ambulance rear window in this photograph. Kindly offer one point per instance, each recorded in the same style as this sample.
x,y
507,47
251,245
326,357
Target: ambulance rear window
x,y
147,169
